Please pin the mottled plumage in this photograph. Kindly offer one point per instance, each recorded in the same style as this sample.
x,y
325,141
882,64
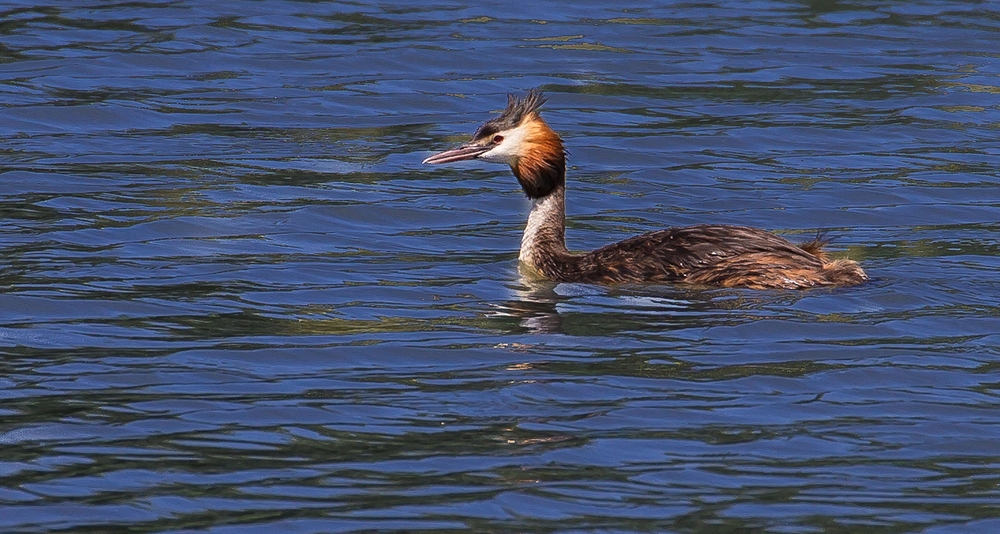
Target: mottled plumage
x,y
716,255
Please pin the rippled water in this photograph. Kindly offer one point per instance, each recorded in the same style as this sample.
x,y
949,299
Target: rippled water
x,y
235,301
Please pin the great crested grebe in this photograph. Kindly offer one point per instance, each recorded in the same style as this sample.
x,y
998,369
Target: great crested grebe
x,y
705,254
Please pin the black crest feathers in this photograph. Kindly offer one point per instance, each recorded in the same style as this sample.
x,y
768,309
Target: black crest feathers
x,y
515,112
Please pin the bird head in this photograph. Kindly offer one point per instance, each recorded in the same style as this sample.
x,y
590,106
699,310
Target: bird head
x,y
520,138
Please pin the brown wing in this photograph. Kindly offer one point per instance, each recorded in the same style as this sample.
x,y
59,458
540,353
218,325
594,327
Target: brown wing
x,y
705,254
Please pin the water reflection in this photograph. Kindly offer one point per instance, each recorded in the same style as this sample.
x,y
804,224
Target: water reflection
x,y
534,304
233,300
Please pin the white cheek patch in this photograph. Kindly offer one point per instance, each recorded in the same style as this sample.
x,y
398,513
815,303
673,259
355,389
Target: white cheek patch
x,y
509,149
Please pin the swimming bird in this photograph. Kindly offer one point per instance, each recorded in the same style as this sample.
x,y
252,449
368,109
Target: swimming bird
x,y
706,254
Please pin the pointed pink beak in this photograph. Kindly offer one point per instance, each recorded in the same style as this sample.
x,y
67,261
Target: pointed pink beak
x,y
462,153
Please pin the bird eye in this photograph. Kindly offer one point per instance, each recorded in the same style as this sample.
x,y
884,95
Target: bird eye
x,y
497,139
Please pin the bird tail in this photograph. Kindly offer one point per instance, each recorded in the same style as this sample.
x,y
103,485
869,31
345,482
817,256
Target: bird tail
x,y
816,244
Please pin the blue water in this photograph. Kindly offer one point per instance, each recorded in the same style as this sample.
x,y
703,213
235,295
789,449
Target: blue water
x,y
235,301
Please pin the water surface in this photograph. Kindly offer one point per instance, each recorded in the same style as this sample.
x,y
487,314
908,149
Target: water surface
x,y
235,301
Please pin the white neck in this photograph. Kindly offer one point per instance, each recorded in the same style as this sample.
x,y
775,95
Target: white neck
x,y
546,229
